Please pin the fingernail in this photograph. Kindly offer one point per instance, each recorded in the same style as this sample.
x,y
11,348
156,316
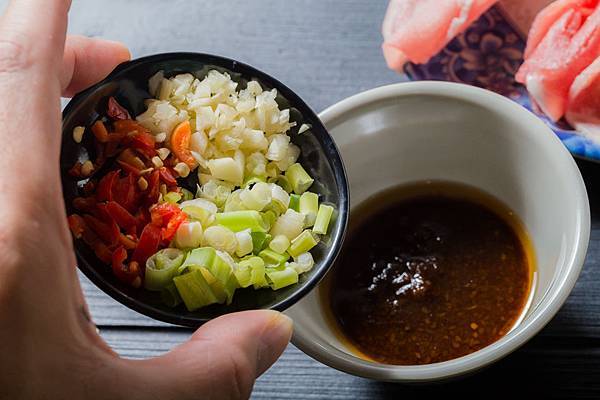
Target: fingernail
x,y
274,340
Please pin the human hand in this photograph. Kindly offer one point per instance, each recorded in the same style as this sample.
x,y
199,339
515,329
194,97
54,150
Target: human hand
x,y
49,347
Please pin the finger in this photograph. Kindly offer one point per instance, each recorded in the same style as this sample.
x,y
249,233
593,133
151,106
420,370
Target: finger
x,y
36,24
88,60
222,359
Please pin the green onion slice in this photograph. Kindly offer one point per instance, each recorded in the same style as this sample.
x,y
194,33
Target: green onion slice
x,y
302,243
240,220
194,290
162,267
281,278
323,218
298,178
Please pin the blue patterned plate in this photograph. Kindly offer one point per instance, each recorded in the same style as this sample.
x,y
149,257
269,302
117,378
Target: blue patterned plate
x,y
488,54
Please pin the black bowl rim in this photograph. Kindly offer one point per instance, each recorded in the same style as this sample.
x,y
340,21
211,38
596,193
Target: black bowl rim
x,y
339,172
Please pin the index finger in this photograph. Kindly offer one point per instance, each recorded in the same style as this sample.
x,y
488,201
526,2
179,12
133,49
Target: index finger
x,y
35,24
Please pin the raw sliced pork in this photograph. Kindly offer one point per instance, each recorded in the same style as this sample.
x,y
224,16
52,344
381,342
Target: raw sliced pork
x,y
416,30
544,20
563,41
583,108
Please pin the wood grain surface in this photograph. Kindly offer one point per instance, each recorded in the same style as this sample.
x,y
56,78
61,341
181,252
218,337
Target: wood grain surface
x,y
327,50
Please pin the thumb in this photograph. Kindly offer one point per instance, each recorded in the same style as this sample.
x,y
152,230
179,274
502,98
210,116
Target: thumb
x,y
222,359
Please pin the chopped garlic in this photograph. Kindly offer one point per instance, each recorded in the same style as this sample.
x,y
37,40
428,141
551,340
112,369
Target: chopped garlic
x,y
163,153
78,132
142,183
160,137
182,169
157,162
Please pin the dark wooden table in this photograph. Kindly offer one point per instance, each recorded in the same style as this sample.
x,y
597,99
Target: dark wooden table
x,y
327,50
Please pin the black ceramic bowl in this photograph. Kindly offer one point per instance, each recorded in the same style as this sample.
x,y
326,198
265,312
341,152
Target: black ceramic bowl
x,y
129,84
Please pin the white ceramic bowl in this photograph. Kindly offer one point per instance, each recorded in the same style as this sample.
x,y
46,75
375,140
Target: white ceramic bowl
x,y
437,130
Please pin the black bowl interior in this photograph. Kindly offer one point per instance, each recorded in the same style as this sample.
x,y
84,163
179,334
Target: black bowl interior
x,y
129,84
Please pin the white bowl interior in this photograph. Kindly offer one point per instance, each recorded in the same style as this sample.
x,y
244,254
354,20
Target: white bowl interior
x,y
419,131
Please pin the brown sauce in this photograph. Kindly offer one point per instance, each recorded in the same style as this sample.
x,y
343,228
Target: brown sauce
x,y
428,273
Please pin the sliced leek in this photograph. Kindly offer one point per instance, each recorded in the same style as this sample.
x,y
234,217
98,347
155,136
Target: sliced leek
x,y
295,202
194,290
309,206
272,258
260,240
161,268
323,219
302,243
298,178
281,278
241,220
170,296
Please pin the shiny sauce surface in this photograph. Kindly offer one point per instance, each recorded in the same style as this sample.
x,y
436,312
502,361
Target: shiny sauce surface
x,y
429,272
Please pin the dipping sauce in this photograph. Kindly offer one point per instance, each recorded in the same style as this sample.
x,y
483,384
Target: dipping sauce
x,y
429,272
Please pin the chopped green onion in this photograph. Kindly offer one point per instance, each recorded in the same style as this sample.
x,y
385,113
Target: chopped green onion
x,y
215,267
244,240
221,238
282,181
215,286
234,202
222,269
289,224
273,259
299,178
201,210
240,220
194,290
281,278
172,197
272,170
188,235
243,274
303,262
302,243
215,191
251,180
309,206
280,199
186,194
162,267
279,244
269,217
323,218
225,290
226,169
256,198
200,214
251,271
259,279
259,241
295,202
170,296
202,257
208,205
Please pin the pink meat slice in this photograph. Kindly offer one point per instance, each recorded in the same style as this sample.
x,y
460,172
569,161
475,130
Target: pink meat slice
x,y
547,17
583,108
569,44
416,30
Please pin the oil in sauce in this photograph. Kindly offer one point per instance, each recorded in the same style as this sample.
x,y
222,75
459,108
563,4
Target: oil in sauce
x,y
429,272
